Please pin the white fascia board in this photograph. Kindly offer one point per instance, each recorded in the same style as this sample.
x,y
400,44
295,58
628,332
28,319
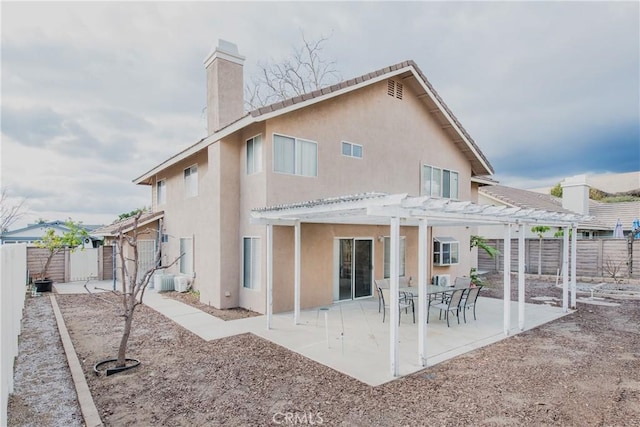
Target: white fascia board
x,y
333,94
246,121
450,120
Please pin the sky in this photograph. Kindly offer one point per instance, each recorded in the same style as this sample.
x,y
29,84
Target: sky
x,y
95,94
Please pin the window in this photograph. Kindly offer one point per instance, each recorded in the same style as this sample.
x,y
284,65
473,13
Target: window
x,y
254,155
387,257
445,250
191,181
251,262
351,150
295,156
186,255
161,192
438,182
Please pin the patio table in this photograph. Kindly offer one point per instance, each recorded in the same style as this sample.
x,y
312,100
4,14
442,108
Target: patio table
x,y
431,289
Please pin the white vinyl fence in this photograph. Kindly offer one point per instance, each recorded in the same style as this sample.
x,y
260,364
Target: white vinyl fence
x,y
83,264
12,299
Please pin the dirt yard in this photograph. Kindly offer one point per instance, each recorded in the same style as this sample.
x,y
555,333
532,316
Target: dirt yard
x,y
583,369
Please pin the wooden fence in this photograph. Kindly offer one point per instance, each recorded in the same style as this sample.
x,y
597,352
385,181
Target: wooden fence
x,y
60,270
12,299
594,257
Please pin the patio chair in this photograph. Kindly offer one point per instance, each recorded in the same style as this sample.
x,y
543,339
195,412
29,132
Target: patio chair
x,y
403,303
469,301
453,304
384,284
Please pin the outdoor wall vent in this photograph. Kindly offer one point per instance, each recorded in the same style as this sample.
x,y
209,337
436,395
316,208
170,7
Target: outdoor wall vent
x,y
394,89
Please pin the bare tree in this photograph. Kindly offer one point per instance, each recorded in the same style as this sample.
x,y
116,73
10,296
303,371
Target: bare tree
x,y
305,70
133,282
10,211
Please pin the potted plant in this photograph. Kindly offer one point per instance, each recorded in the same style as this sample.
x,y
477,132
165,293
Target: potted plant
x,y
55,243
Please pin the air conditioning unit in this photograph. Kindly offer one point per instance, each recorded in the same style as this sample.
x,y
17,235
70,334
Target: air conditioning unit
x,y
181,283
442,280
163,282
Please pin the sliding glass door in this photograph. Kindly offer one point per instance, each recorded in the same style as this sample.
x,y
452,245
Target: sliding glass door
x,y
355,268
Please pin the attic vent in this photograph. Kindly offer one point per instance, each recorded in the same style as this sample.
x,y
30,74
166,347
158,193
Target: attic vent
x,y
394,89
399,90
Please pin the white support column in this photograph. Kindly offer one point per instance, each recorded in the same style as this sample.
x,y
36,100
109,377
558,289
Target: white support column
x,y
394,312
423,261
507,279
296,275
574,257
521,259
269,309
565,270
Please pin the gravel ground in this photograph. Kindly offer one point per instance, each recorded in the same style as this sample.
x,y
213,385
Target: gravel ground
x,y
580,370
44,394
193,299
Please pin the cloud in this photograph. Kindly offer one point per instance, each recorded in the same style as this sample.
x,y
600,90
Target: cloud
x,y
95,94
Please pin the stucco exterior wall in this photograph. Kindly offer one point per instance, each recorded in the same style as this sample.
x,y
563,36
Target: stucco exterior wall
x,y
397,136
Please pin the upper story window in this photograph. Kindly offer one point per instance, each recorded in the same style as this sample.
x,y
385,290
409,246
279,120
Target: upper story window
x,y
351,150
254,155
295,156
438,182
191,181
161,192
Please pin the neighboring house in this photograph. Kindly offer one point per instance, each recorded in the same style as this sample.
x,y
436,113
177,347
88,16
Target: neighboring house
x,y
386,131
32,233
604,216
611,183
148,225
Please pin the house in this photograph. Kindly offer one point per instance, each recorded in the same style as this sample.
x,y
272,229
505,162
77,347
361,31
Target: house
x,y
575,199
32,233
387,131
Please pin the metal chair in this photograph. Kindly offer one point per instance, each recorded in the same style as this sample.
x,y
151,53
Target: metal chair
x,y
403,303
453,304
469,301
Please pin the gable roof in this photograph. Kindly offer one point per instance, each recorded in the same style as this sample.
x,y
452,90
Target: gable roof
x,y
406,71
603,215
40,228
127,224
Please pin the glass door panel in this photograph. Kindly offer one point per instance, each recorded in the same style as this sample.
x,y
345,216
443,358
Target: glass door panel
x,y
345,267
363,268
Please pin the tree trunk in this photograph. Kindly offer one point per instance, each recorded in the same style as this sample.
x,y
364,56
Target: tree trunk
x,y
128,321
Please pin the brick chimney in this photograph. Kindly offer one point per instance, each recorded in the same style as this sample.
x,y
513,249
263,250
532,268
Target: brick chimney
x,y
575,194
225,86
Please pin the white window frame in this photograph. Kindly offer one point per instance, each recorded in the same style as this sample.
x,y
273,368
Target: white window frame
x,y
386,264
442,257
351,153
253,156
186,256
255,260
297,142
190,181
161,192
435,183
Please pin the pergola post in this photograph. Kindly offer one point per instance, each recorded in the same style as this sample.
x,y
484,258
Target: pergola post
x,y
269,266
565,270
296,275
507,278
394,312
423,257
574,256
521,276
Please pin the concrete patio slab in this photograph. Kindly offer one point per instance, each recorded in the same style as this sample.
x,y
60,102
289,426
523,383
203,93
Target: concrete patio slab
x,y
354,339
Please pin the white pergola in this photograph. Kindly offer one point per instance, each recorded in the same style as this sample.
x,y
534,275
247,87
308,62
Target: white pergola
x,y
400,209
